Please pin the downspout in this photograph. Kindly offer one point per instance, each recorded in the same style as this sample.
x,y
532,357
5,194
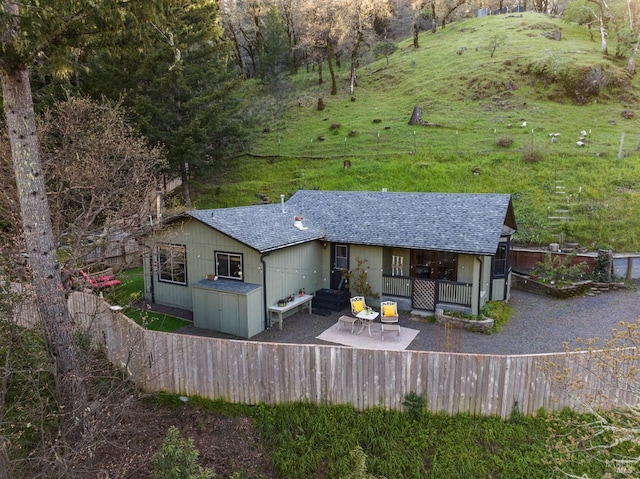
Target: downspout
x,y
507,278
151,276
479,285
264,290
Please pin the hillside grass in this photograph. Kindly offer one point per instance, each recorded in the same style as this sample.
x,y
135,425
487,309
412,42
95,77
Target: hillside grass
x,y
470,101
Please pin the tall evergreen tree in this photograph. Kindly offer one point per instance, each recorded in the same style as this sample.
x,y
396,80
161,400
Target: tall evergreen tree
x,y
179,83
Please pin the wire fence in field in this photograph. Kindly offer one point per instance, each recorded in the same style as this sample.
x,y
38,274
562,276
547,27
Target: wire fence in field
x,y
423,140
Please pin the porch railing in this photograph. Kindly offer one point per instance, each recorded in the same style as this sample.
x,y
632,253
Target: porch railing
x,y
452,292
397,286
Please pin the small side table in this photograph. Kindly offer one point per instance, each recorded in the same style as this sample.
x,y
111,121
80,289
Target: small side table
x,y
366,318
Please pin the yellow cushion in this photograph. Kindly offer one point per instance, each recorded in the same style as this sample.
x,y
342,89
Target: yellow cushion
x,y
357,306
388,310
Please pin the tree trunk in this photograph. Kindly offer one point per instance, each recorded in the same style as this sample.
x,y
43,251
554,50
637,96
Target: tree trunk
x,y
434,21
603,30
5,468
416,116
631,64
334,86
186,193
38,235
354,59
416,33
236,48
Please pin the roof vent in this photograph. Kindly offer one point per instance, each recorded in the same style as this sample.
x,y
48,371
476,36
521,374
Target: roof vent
x,y
282,202
297,222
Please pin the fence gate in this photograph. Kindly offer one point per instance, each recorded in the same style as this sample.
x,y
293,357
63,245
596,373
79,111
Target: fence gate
x,y
424,294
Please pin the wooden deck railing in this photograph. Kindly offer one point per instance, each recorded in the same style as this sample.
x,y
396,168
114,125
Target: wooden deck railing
x,y
453,292
400,286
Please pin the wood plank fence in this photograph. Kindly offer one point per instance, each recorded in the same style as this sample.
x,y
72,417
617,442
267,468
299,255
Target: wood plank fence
x,y
242,371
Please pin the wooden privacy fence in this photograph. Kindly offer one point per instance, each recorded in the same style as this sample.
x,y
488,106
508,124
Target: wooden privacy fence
x,y
242,371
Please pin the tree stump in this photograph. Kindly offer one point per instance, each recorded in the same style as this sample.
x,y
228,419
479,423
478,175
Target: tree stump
x,y
320,104
416,116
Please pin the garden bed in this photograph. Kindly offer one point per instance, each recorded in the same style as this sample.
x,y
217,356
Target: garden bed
x,y
529,284
485,324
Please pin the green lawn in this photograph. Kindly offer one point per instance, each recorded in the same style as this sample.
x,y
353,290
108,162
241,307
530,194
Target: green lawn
x,y
130,292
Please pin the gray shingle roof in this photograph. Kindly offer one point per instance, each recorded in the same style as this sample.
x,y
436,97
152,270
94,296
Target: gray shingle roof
x,y
262,227
465,223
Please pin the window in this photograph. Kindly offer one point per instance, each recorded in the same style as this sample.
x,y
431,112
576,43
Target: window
x,y
441,265
172,263
447,266
500,261
341,256
229,265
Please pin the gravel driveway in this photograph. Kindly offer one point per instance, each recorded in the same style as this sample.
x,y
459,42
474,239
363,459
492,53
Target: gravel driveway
x,y
541,324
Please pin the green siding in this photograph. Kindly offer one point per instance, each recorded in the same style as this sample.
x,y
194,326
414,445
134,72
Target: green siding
x,y
374,256
300,266
287,270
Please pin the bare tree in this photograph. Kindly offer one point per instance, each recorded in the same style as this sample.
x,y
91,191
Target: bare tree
x,y
357,29
101,176
604,381
599,13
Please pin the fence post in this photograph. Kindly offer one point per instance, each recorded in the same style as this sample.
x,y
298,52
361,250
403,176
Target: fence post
x,y
621,145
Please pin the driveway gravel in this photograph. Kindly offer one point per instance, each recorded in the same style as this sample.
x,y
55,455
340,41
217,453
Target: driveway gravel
x,y
541,324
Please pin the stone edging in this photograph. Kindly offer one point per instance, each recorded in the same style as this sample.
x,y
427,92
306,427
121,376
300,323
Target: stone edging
x,y
471,324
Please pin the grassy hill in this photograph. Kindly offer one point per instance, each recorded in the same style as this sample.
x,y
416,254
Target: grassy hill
x,y
473,137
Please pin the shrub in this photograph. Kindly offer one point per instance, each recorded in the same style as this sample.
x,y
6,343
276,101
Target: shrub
x,y
177,458
504,141
415,405
499,311
532,156
358,280
558,269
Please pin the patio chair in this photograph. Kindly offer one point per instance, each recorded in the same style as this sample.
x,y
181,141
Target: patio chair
x,y
103,282
389,317
357,304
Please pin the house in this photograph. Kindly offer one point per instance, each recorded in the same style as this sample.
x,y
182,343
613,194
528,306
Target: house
x,y
425,250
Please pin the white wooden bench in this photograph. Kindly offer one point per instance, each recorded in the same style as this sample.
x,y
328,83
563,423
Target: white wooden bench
x,y
297,301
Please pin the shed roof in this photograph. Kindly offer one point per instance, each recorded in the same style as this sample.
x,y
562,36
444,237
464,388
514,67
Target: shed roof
x,y
464,223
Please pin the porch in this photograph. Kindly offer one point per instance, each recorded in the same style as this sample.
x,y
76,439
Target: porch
x,y
427,294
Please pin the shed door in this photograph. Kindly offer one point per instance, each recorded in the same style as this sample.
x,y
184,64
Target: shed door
x,y
229,314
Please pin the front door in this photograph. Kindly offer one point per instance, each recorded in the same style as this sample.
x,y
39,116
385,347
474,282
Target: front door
x,y
339,264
